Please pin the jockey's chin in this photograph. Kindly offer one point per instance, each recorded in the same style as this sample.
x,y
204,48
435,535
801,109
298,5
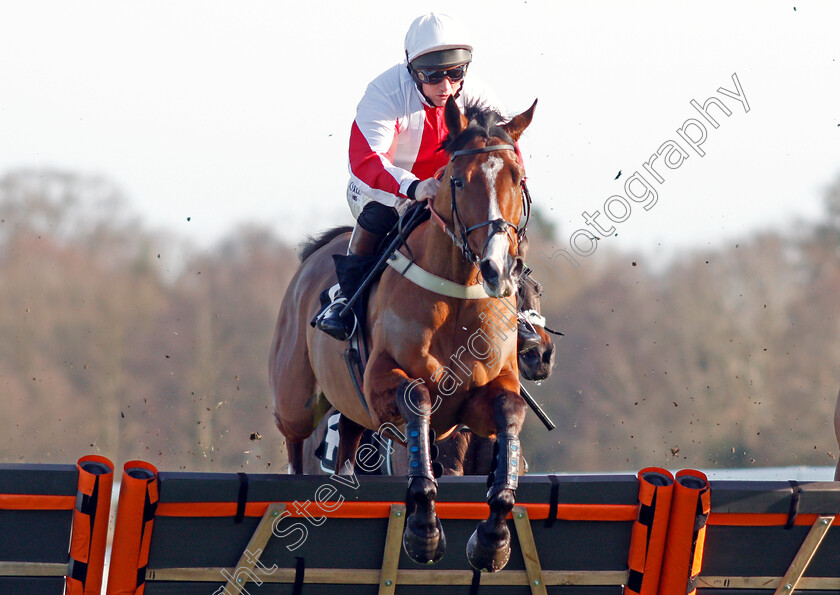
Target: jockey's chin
x,y
438,94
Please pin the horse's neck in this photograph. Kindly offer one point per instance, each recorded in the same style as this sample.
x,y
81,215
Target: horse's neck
x,y
438,254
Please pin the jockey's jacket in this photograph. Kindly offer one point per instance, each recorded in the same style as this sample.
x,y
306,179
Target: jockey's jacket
x,y
397,134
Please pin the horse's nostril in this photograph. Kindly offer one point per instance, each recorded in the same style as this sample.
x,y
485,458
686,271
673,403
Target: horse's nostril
x,y
489,272
548,355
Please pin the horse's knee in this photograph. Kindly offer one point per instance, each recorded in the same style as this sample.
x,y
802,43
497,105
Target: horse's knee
x,y
509,412
413,400
385,390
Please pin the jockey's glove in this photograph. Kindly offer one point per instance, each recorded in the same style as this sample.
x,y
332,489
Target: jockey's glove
x,y
424,190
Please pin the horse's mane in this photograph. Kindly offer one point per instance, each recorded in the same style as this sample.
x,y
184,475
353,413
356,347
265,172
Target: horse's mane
x,y
313,244
483,121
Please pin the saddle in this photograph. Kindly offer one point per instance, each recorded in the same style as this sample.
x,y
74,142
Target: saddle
x,y
356,274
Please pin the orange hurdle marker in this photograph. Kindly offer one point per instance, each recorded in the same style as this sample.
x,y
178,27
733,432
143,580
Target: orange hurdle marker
x,y
133,529
647,540
90,526
686,533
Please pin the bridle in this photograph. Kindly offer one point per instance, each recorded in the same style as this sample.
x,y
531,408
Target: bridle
x,y
497,225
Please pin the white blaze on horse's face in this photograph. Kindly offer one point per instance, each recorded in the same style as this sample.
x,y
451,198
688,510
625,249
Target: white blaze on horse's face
x,y
497,254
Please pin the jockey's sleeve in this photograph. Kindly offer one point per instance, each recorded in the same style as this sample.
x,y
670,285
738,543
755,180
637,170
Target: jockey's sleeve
x,y
373,143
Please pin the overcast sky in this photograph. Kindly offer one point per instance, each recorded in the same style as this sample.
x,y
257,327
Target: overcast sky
x,y
235,112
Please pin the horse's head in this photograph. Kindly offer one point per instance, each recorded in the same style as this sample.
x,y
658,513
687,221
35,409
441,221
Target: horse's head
x,y
535,363
485,185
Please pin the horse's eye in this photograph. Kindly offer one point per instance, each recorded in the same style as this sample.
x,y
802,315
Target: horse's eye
x,y
458,183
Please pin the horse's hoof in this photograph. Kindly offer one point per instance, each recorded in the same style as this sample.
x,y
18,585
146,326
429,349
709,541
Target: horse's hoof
x,y
427,549
487,558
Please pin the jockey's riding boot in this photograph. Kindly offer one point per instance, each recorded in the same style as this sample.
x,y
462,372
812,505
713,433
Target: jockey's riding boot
x,y
362,243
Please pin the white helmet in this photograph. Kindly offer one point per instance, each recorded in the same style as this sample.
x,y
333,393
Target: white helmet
x,y
437,40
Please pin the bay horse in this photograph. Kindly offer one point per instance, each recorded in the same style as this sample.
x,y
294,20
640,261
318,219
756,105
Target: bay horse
x,y
415,335
462,453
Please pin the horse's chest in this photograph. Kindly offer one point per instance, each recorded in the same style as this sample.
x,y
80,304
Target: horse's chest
x,y
455,353
465,366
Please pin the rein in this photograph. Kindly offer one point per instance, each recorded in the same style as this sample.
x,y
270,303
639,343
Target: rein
x,y
498,225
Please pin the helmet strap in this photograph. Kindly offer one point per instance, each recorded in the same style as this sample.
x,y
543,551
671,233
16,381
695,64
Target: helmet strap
x,y
420,90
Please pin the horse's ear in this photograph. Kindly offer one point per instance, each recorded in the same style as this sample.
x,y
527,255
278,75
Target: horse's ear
x,y
518,124
456,122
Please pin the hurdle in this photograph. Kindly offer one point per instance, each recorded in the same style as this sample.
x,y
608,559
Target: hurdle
x,y
772,537
241,533
53,527
236,533
180,533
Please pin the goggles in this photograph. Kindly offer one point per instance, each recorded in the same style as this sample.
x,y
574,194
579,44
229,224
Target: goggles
x,y
433,76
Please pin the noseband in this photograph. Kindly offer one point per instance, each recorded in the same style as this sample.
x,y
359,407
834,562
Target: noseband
x,y
497,225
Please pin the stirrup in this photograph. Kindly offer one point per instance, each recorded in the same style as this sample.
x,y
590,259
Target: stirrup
x,y
330,312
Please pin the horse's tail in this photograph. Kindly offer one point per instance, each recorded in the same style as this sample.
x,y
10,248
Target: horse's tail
x,y
313,244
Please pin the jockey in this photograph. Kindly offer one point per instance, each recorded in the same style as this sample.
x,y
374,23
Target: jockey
x,y
396,137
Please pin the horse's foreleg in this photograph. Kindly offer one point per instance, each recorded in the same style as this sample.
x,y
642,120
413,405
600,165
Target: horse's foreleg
x,y
295,451
489,546
453,453
349,436
423,539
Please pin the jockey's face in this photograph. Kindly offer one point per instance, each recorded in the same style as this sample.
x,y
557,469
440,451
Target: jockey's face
x,y
439,93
